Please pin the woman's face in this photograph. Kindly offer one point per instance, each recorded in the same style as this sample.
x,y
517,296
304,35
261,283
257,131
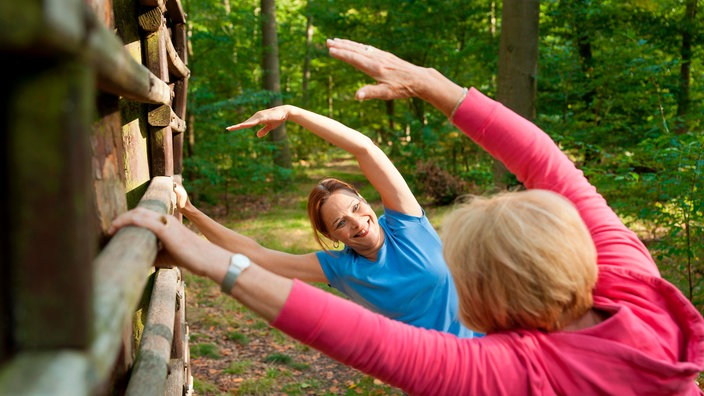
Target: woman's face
x,y
352,221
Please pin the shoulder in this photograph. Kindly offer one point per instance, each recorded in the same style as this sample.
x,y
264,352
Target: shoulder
x,y
391,215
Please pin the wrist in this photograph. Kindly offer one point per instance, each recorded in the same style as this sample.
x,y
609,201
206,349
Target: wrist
x,y
460,99
441,92
188,209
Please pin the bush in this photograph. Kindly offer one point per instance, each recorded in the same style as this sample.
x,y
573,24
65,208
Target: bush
x,y
438,184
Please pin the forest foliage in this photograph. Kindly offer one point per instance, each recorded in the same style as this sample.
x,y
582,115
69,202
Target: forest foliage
x,y
620,88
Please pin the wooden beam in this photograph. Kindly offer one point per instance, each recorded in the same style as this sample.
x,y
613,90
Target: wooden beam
x,y
151,20
175,11
154,3
69,27
120,273
151,366
176,65
50,214
163,116
56,373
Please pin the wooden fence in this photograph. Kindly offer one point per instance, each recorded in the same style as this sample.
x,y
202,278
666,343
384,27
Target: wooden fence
x,y
92,119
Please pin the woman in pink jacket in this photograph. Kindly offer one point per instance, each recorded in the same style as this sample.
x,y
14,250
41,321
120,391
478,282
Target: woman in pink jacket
x,y
570,299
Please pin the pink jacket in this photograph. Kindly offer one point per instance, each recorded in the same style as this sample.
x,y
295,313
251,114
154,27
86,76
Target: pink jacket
x,y
652,344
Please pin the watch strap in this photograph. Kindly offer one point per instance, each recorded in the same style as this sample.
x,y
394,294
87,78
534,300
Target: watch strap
x,y
238,263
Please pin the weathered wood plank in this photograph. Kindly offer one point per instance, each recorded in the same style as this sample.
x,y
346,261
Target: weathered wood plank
x,y
154,3
179,379
151,366
161,139
175,11
151,20
163,116
60,373
108,161
69,27
120,273
161,143
53,239
176,65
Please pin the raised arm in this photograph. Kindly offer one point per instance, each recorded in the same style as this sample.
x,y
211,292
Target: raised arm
x,y
376,166
539,163
302,266
525,150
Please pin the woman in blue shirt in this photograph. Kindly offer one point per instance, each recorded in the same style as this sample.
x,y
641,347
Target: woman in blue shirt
x,y
392,264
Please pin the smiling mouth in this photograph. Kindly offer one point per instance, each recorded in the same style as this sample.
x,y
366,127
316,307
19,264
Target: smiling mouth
x,y
364,232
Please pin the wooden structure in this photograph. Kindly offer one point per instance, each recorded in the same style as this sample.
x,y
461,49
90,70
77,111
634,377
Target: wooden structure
x,y
92,125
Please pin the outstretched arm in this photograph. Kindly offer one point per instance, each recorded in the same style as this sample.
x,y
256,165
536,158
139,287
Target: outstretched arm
x,y
261,290
338,327
376,166
302,266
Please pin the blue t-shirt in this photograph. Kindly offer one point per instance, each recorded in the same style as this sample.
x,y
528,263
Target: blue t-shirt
x,y
409,282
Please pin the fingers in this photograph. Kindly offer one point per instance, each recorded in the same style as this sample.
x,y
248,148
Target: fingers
x,y
242,125
374,92
344,44
248,124
355,54
252,121
262,132
181,196
271,118
380,65
140,217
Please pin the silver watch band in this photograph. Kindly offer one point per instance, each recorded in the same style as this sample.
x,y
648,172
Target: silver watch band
x,y
238,263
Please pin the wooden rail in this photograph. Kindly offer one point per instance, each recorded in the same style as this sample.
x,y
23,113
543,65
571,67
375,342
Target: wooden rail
x,y
94,111
121,271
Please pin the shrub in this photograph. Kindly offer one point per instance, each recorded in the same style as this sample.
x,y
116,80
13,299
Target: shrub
x,y
438,184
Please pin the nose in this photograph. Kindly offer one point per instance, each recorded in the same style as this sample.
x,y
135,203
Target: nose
x,y
356,222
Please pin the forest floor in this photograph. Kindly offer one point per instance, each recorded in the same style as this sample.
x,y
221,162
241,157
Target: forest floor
x,y
233,352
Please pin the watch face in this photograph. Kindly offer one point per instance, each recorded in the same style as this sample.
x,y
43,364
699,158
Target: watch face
x,y
240,261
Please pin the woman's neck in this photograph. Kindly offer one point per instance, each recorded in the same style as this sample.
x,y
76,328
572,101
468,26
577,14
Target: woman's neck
x,y
592,318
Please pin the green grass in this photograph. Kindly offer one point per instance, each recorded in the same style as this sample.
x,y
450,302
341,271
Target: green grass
x,y
238,337
207,350
238,367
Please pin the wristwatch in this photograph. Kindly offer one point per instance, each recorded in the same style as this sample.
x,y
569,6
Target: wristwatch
x,y
238,263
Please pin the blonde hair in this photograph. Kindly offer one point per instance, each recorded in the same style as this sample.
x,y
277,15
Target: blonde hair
x,y
520,260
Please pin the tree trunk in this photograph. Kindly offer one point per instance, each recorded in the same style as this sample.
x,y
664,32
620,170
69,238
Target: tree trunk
x,y
272,82
685,67
518,66
309,49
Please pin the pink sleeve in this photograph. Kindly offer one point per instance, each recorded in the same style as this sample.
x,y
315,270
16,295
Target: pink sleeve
x,y
419,361
346,332
538,163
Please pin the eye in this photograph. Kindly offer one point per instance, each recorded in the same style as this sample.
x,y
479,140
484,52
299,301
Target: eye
x,y
340,224
355,208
